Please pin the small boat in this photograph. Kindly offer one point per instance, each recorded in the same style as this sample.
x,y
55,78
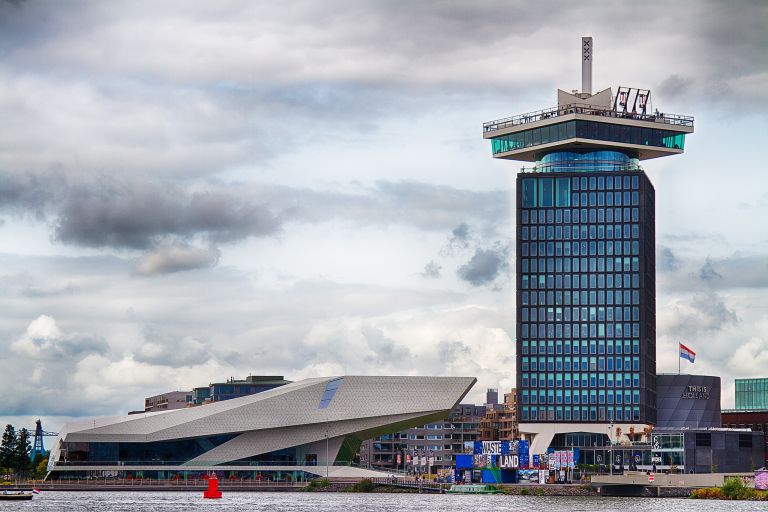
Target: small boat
x,y
16,495
472,489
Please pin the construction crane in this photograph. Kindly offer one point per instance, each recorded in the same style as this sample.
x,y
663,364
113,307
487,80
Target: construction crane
x,y
38,446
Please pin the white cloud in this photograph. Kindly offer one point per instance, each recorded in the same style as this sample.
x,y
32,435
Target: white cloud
x,y
44,340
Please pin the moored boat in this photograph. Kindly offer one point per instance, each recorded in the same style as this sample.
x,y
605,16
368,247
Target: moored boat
x,y
16,495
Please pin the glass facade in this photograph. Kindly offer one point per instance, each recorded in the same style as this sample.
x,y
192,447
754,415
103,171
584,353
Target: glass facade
x,y
588,130
586,297
752,393
569,161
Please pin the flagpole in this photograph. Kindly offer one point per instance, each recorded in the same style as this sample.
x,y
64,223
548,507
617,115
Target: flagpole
x,y
678,358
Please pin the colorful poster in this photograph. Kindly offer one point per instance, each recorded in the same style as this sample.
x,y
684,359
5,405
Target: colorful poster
x,y
761,479
553,462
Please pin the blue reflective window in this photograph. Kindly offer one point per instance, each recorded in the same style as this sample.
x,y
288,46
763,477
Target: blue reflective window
x,y
529,194
330,392
546,193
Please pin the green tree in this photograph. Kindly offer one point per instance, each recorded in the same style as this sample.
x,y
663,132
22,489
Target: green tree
x,y
8,447
41,469
39,464
21,453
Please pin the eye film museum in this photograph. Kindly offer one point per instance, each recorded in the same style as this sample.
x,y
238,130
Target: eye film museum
x,y
300,430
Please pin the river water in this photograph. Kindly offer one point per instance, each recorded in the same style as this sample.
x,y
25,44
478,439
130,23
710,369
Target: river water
x,y
323,502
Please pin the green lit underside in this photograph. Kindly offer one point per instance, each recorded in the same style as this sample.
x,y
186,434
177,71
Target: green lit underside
x,y
589,130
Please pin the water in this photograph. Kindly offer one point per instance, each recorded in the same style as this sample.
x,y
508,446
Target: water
x,y
379,502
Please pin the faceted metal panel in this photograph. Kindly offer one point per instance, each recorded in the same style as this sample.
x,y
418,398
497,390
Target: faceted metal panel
x,y
690,401
283,417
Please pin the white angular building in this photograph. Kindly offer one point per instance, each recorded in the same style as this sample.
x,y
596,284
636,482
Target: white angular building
x,y
300,430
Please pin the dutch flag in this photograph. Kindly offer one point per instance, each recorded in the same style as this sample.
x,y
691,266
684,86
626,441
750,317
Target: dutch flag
x,y
687,353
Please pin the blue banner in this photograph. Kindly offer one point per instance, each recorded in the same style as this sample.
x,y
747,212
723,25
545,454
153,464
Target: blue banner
x,y
523,453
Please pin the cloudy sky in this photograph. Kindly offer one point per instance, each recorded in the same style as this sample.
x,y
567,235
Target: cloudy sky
x,y
196,190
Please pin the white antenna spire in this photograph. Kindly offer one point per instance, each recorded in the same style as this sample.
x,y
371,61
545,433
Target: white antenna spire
x,y
586,65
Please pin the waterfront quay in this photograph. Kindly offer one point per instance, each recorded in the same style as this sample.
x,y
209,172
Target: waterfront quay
x,y
603,485
326,502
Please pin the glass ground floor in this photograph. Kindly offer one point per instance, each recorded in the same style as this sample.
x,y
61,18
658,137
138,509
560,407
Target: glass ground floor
x,y
242,475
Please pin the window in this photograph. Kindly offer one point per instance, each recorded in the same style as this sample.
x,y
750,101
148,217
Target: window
x,y
546,192
529,193
330,391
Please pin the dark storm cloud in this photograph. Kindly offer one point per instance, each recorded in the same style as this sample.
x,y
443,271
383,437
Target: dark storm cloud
x,y
176,258
137,215
675,86
380,43
162,218
451,351
458,240
484,266
385,350
161,348
708,273
666,261
43,340
713,309
431,270
700,314
27,192
692,275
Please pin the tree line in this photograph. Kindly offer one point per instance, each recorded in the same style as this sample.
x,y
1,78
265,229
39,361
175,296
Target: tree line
x,y
15,451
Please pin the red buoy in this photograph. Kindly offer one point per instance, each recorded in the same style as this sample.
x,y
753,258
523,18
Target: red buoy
x,y
213,491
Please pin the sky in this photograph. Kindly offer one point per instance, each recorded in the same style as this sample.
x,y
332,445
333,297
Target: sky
x,y
194,190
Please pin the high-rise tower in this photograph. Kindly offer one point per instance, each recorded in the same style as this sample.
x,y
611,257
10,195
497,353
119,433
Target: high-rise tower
x,y
586,293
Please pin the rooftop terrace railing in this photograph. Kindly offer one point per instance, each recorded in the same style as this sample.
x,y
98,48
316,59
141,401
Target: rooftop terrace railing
x,y
582,108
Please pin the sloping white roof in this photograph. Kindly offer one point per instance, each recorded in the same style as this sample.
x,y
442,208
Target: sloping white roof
x,y
283,417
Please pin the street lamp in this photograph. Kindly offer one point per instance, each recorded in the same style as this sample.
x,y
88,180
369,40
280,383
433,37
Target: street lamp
x,y
327,451
610,445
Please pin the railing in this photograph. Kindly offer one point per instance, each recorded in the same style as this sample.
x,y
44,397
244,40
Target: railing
x,y
153,483
583,165
411,483
192,466
582,108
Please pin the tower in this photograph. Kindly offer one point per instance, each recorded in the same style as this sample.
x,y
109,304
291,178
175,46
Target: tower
x,y
585,259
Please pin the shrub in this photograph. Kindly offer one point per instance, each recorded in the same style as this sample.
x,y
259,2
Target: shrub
x,y
709,493
364,485
324,482
734,489
524,491
311,486
539,492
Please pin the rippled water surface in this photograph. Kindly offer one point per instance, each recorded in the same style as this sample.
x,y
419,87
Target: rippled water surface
x,y
321,502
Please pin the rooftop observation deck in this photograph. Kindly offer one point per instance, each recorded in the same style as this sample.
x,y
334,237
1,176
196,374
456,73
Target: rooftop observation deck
x,y
661,119
582,127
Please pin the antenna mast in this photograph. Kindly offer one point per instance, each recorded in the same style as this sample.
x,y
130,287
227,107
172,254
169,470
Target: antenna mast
x,y
586,65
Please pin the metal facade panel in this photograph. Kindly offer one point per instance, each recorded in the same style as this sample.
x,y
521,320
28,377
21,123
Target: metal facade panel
x,y
292,404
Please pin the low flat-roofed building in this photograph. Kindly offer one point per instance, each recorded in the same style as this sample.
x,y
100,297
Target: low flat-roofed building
x,y
232,388
168,401
755,420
